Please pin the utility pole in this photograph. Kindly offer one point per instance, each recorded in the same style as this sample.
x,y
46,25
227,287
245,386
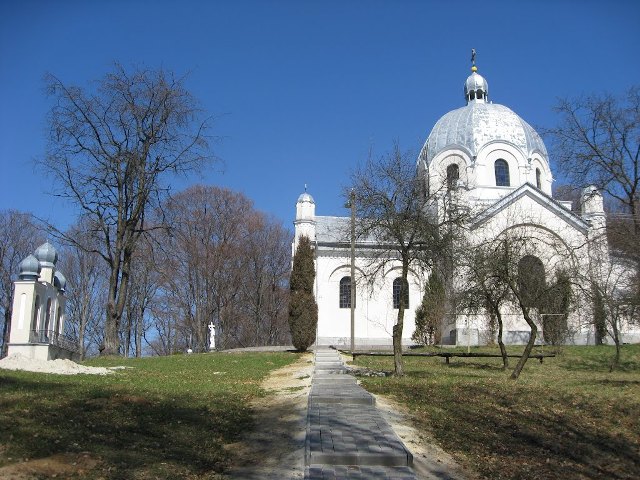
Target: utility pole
x,y
352,202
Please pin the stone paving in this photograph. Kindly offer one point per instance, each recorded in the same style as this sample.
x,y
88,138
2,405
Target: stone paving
x,y
347,438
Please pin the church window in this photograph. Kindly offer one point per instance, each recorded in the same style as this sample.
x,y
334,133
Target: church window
x,y
36,311
453,174
472,95
58,319
501,168
538,181
531,280
479,94
345,292
397,284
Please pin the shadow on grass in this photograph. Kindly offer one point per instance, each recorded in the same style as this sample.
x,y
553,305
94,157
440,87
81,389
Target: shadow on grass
x,y
134,436
509,436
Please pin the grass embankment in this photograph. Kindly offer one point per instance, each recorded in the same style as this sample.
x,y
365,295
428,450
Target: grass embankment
x,y
568,418
166,417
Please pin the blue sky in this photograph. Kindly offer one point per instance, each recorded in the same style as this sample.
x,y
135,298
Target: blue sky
x,y
302,90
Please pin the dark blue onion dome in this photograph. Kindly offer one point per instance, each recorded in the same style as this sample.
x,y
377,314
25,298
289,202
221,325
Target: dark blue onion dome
x,y
29,268
47,255
59,281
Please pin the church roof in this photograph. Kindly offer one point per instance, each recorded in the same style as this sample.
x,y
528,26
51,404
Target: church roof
x,y
475,125
541,198
336,230
480,123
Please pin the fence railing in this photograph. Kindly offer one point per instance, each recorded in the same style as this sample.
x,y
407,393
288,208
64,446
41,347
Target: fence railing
x,y
51,337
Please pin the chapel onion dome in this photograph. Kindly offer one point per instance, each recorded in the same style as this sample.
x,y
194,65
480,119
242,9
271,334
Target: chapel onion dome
x,y
480,123
29,268
47,255
59,281
305,198
476,87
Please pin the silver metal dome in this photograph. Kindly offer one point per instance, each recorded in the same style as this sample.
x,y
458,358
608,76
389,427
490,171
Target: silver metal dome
x,y
305,197
472,127
476,87
29,268
47,255
59,281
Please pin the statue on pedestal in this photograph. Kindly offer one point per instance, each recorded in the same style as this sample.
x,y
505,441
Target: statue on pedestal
x,y
212,337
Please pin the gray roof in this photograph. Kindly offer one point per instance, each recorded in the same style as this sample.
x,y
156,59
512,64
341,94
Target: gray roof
x,y
332,229
477,124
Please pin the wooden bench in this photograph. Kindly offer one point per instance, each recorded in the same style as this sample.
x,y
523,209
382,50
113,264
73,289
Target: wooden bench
x,y
446,355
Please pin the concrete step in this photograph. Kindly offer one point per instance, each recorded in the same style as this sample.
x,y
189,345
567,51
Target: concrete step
x,y
352,435
329,365
330,379
351,472
331,371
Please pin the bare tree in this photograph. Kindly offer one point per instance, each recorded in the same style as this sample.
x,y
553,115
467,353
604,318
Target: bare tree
x,y
19,237
87,277
111,151
598,143
392,213
482,288
144,284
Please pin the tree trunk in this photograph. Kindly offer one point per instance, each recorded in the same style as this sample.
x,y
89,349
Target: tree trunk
x,y
530,343
397,328
503,350
6,329
138,334
616,339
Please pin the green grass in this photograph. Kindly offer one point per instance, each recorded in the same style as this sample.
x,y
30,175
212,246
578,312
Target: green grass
x,y
567,418
167,417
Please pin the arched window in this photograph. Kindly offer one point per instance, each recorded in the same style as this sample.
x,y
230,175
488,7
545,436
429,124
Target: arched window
x,y
36,311
397,283
501,168
453,174
479,94
345,293
531,281
538,181
58,319
472,95
47,317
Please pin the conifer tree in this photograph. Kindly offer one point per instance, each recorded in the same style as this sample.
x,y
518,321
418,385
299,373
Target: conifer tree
x,y
303,310
431,311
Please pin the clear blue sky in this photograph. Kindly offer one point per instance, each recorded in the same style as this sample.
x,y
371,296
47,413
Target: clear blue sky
x,y
302,90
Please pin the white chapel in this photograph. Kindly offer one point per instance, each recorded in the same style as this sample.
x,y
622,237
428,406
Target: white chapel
x,y
497,166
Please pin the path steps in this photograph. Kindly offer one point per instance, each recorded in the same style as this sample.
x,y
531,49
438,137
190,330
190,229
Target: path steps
x,y
347,438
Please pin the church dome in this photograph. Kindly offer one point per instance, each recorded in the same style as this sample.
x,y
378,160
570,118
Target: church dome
x,y
29,268
476,87
305,197
47,255
479,123
59,281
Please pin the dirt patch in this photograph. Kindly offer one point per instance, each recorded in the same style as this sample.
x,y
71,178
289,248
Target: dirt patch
x,y
275,448
62,465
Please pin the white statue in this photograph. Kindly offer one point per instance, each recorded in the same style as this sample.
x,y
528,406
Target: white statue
x,y
212,337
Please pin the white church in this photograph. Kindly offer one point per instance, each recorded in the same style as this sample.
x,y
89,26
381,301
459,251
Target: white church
x,y
497,166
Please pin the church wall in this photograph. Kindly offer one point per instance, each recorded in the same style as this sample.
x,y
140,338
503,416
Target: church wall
x,y
374,312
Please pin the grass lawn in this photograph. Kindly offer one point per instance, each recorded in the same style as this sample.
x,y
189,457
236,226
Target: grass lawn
x,y
568,418
165,418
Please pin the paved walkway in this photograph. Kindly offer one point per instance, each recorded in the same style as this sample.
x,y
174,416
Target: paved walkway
x,y
347,438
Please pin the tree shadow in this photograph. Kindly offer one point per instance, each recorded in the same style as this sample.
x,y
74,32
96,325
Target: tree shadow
x,y
133,435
